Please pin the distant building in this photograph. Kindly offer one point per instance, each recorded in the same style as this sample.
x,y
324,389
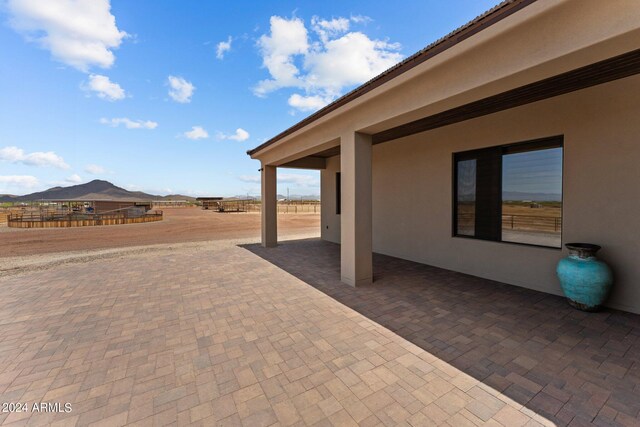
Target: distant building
x,y
209,202
171,203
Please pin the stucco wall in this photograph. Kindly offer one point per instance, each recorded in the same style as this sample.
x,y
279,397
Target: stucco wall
x,y
330,222
412,190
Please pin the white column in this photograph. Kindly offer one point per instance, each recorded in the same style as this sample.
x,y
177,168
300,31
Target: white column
x,y
269,207
355,216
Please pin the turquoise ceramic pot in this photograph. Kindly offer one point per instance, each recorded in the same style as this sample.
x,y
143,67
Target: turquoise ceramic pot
x,y
585,280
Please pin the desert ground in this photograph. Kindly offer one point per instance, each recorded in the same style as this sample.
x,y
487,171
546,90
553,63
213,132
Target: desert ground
x,y
179,225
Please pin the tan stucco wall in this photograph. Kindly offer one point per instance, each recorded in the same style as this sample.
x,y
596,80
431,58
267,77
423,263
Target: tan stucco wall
x,y
330,222
412,190
412,177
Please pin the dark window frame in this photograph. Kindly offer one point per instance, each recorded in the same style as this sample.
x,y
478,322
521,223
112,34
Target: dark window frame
x,y
556,141
338,193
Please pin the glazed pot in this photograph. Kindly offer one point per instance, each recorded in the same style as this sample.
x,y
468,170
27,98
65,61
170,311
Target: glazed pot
x,y
585,280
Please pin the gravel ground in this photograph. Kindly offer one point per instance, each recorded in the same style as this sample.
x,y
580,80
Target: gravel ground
x,y
26,264
180,225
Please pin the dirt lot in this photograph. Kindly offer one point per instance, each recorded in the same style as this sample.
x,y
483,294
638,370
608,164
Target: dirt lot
x,y
179,225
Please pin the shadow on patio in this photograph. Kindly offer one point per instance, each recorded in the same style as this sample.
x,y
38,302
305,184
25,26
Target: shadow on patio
x,y
566,365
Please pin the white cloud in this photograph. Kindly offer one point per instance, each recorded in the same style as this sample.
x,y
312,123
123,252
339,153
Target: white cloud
x,y
105,88
287,38
79,33
329,29
12,154
181,90
253,179
299,180
308,103
94,169
129,124
360,19
19,181
37,158
239,135
197,132
74,179
223,47
322,67
349,60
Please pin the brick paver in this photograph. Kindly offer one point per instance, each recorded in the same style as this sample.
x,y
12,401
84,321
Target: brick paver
x,y
216,335
572,368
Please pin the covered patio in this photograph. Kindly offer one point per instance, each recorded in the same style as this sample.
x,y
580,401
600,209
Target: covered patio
x,y
418,163
570,367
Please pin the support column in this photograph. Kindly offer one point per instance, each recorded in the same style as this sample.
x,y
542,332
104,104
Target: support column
x,y
269,207
355,217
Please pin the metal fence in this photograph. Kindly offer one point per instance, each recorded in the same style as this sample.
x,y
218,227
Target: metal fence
x,y
532,223
45,219
286,209
548,224
292,207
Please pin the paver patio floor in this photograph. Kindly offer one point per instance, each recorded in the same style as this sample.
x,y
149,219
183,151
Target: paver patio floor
x,y
570,367
216,335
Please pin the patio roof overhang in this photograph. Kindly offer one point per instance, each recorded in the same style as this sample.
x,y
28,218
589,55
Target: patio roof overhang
x,y
621,66
625,65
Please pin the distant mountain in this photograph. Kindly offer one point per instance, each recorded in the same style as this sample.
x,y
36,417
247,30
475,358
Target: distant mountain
x,y
94,190
534,197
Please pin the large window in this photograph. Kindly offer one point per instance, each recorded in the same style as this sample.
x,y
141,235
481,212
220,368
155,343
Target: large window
x,y
511,193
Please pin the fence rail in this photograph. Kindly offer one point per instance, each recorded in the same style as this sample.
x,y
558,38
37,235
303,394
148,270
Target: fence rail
x,y
549,224
286,209
48,220
233,206
532,223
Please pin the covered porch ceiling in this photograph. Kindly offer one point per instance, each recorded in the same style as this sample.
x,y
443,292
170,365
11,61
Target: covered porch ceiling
x,y
314,161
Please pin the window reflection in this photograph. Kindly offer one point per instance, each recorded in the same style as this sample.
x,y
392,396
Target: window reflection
x,y
466,198
532,197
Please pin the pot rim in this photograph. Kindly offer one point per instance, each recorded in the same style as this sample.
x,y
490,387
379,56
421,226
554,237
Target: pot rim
x,y
582,250
583,246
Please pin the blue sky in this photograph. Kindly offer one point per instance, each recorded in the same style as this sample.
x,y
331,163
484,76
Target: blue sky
x,y
166,97
533,172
